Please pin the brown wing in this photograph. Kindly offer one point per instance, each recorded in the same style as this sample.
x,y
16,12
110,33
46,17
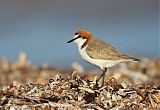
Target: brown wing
x,y
98,49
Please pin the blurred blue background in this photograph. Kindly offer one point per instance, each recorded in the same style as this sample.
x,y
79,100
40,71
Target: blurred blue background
x,y
41,28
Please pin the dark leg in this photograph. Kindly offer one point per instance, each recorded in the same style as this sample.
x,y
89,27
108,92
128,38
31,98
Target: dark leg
x,y
103,74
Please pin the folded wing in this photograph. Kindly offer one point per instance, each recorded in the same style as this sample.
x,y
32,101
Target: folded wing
x,y
98,49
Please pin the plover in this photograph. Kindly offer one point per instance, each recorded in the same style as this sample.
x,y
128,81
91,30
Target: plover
x,y
97,52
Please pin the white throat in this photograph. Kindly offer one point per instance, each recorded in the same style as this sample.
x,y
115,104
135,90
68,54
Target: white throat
x,y
79,41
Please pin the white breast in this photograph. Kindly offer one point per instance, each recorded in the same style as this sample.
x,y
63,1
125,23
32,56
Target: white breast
x,y
97,62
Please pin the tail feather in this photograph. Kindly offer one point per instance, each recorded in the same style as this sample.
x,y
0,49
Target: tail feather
x,y
134,59
127,58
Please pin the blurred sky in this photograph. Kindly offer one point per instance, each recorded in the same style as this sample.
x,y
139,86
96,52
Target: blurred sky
x,y
41,28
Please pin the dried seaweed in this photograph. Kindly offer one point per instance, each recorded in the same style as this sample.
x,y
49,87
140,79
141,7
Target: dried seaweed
x,y
132,86
78,93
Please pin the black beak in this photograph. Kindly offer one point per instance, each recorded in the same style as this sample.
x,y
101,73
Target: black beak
x,y
73,39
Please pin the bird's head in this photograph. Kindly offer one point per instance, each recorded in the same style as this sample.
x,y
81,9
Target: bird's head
x,y
81,38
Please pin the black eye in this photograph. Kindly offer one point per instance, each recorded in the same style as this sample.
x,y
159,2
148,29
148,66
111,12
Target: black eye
x,y
76,33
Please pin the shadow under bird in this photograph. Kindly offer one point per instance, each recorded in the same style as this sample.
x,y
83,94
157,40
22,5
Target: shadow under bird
x,y
97,52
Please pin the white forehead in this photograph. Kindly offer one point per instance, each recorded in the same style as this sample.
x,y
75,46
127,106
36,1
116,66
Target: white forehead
x,y
76,35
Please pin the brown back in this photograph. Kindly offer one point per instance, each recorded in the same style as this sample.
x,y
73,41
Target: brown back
x,y
98,49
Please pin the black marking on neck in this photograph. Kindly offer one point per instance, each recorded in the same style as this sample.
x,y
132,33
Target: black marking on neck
x,y
84,44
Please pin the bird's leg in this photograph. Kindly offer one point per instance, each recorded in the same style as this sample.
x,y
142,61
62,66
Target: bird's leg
x,y
104,71
99,77
103,74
